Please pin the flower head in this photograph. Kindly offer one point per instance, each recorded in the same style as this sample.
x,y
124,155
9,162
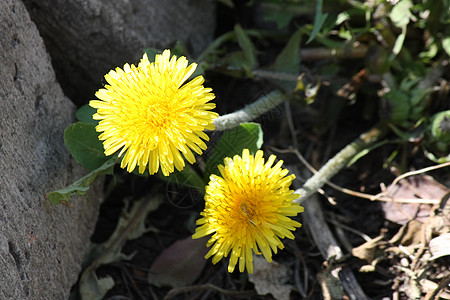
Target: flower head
x,y
148,114
247,209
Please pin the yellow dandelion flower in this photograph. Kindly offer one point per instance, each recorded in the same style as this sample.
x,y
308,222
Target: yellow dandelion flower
x,y
247,209
148,114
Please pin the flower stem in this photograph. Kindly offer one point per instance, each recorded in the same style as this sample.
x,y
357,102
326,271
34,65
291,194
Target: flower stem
x,y
338,162
250,112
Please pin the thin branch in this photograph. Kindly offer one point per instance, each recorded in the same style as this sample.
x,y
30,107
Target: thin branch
x,y
350,192
250,112
310,54
327,244
338,162
407,174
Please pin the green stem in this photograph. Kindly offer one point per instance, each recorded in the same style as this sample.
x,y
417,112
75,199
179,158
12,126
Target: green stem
x,y
340,160
250,112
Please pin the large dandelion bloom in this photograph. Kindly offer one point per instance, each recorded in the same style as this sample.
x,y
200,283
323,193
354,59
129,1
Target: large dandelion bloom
x,y
248,210
148,114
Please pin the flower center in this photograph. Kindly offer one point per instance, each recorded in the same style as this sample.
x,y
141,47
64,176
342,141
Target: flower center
x,y
247,212
158,114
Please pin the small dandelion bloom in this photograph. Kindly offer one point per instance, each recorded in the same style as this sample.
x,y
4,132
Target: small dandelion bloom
x,y
247,209
151,117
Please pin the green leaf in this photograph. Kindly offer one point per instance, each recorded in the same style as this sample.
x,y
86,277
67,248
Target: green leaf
x,y
232,142
282,19
187,177
84,114
238,65
342,17
82,141
436,159
282,12
319,20
440,126
401,14
179,49
398,44
366,151
446,45
151,53
228,3
82,185
246,45
289,59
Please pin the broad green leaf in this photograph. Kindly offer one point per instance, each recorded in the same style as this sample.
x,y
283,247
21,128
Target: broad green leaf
x,y
82,185
282,12
187,177
151,53
319,20
82,141
289,59
232,142
84,114
179,49
282,19
238,65
246,45
398,106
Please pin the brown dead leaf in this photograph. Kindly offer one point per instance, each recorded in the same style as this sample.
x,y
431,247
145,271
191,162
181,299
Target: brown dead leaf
x,y
414,187
368,251
429,286
180,264
270,278
407,238
409,234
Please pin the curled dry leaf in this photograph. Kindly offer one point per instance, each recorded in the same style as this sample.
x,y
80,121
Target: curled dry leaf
x,y
408,237
408,234
370,252
414,187
270,278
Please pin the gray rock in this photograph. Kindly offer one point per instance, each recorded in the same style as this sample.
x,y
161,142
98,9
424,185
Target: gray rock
x,y
41,245
88,38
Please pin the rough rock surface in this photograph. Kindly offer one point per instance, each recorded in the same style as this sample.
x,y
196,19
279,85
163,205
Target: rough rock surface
x,y
88,38
41,245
